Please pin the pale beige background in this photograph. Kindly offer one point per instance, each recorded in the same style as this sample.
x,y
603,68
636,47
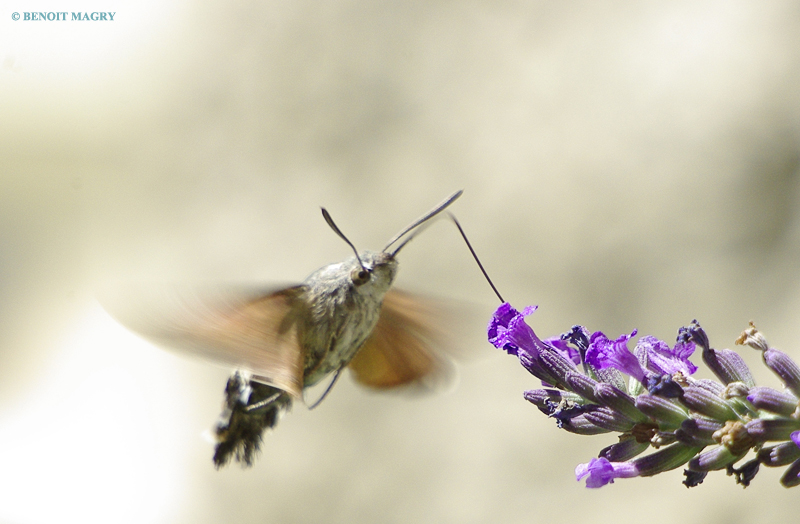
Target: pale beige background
x,y
624,165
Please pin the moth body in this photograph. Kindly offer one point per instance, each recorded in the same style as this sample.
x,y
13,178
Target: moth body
x,y
342,311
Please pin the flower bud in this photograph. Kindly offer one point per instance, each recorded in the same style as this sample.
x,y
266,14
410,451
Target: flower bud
x,y
772,429
779,455
580,425
791,478
714,459
613,397
581,384
627,448
668,414
703,401
772,400
700,429
609,419
665,459
786,369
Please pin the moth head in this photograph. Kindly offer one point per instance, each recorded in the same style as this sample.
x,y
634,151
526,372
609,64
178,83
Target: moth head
x,y
375,273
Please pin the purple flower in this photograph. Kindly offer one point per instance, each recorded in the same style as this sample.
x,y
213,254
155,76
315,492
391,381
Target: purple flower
x,y
601,472
604,353
795,436
508,331
567,351
657,356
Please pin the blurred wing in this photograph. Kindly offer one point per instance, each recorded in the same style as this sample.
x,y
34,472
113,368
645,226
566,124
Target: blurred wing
x,y
407,345
254,333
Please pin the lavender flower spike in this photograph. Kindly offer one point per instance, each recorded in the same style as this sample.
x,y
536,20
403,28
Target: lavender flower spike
x,y
704,424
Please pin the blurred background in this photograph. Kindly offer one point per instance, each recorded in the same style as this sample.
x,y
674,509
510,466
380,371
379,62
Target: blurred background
x,y
624,165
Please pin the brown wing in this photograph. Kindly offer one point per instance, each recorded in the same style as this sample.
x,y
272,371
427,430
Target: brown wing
x,y
254,333
406,345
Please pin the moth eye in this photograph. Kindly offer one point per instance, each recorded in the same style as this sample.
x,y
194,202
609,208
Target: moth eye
x,y
359,276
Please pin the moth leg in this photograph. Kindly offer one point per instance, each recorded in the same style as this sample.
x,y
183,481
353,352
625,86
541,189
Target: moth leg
x,y
249,409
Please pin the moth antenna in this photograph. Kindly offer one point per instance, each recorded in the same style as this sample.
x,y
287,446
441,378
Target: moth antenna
x,y
475,256
336,230
430,214
327,390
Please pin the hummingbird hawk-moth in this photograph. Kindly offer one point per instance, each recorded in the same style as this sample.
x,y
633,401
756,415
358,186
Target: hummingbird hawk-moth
x,y
344,315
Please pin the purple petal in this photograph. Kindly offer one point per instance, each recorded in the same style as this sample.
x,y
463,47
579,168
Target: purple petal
x,y
660,359
795,436
604,353
601,472
567,351
508,331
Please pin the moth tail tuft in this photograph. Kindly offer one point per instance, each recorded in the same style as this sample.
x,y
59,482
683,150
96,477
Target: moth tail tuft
x,y
251,408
